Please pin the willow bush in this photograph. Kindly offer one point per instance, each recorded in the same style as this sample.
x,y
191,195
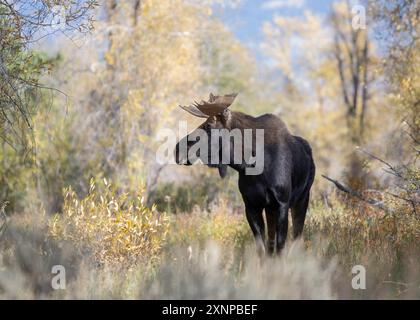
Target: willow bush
x,y
112,227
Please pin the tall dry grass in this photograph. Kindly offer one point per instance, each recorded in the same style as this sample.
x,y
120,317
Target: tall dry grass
x,y
113,246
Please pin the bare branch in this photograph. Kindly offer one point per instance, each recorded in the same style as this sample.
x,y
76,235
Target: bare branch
x,y
359,196
392,169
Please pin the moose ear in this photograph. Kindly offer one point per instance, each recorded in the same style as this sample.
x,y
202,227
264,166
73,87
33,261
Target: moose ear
x,y
226,117
222,170
211,97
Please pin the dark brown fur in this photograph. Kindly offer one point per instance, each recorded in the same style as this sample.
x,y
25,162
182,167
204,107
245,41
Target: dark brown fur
x,y
285,182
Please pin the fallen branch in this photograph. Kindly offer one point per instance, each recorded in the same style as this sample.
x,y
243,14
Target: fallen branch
x,y
359,196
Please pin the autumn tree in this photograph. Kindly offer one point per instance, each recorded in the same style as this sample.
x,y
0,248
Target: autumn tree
x,y
351,52
124,84
22,25
300,49
329,89
397,26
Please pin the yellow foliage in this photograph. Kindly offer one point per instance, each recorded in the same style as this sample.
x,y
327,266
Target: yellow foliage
x,y
221,225
110,226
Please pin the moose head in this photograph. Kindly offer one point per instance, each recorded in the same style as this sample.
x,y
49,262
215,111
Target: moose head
x,y
218,118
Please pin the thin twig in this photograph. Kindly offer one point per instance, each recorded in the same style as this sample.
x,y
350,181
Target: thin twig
x,y
358,195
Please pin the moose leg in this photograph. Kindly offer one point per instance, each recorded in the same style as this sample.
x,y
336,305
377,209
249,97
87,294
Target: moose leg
x,y
271,217
282,225
299,214
256,222
280,219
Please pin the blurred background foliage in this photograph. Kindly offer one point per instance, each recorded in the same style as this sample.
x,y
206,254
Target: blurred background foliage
x,y
88,102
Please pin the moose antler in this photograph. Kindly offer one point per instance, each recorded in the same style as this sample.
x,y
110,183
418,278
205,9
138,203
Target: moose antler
x,y
194,111
215,105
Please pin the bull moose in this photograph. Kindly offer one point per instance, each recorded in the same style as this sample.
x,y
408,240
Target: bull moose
x,y
287,175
